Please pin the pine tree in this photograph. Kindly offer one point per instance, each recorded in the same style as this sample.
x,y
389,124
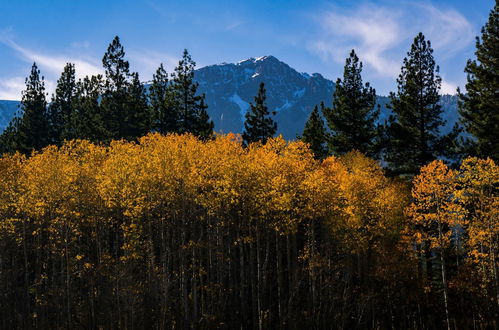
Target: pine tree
x,y
8,138
479,107
165,116
315,133
32,126
191,109
114,98
60,108
352,118
259,126
87,119
204,126
137,113
414,127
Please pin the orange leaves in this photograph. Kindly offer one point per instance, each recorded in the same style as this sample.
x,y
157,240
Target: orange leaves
x,y
373,203
278,184
479,197
434,211
462,202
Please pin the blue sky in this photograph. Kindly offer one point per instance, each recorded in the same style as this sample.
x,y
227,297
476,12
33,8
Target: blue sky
x,y
311,36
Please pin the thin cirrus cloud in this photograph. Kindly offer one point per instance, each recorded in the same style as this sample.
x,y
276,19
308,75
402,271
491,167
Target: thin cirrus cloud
x,y
51,66
147,61
10,88
381,35
54,64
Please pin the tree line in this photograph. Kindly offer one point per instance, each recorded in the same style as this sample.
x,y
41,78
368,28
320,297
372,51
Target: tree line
x,y
118,106
178,232
110,107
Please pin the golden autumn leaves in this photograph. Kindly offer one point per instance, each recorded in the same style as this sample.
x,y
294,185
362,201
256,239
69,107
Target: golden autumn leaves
x,y
279,183
191,224
465,200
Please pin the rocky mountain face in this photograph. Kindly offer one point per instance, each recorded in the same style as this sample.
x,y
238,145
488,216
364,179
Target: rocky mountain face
x,y
230,87
292,95
7,111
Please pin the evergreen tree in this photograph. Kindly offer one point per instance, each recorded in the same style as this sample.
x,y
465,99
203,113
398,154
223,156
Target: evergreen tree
x,y
32,126
165,116
8,138
315,133
87,120
414,127
204,126
352,118
137,116
479,107
191,109
62,104
114,99
259,126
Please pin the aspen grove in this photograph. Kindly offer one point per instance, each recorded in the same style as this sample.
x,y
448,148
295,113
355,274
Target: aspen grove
x,y
173,231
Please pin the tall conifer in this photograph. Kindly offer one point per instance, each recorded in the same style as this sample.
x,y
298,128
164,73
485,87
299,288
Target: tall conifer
x,y
190,107
479,107
114,98
87,119
204,125
9,138
32,127
415,124
259,126
165,116
137,112
315,133
62,104
352,118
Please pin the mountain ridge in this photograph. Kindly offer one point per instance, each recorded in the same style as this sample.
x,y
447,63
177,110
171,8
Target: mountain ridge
x,y
230,87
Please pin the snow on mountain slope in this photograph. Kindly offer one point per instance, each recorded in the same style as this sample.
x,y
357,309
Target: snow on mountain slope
x,y
230,87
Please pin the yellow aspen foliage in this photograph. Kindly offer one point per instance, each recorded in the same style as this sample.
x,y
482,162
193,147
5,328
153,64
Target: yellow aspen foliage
x,y
479,196
10,172
169,231
434,211
373,204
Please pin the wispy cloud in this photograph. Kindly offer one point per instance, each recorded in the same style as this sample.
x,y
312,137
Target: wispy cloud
x,y
147,61
381,34
449,31
448,87
144,61
234,25
10,89
54,64
371,30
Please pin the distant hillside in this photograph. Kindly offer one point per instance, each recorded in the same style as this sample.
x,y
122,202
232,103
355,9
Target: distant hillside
x,y
7,111
229,87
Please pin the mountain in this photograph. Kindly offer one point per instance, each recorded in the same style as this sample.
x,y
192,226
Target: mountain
x,y
7,111
229,87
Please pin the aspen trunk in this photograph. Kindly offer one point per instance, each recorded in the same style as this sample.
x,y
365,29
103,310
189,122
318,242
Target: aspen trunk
x,y
444,275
